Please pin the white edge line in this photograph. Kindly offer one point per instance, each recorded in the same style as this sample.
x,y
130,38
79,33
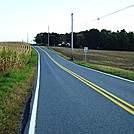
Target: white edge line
x,y
34,110
106,74
98,71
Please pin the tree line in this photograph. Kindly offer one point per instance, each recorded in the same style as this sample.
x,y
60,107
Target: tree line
x,y
93,39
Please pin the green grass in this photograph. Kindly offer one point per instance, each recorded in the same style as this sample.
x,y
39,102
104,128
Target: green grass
x,y
15,85
111,70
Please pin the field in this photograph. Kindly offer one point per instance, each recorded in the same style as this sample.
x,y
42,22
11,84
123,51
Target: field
x,y
118,63
117,59
14,54
17,72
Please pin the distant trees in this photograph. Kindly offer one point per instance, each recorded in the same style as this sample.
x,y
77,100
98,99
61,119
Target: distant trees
x,y
94,39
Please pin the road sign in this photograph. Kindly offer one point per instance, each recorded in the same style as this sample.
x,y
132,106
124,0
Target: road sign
x,y
85,49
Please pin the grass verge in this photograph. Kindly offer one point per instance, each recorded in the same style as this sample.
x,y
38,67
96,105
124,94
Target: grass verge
x,y
111,70
107,69
15,85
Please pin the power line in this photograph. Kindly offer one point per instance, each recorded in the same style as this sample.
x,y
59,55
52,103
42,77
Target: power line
x,y
106,15
80,8
115,12
102,2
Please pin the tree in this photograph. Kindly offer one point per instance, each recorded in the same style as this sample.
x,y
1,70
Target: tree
x,y
130,36
93,39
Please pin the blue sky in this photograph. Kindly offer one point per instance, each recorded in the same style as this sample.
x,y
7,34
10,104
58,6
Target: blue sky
x,y
19,18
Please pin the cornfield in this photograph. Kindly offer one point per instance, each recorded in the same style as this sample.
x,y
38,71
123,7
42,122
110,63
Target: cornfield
x,y
14,54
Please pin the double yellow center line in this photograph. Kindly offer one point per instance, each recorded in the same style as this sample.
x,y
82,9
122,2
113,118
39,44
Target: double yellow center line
x,y
125,105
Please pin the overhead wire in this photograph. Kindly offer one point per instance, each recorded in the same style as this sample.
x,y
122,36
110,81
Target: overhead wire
x,y
80,8
76,13
99,4
106,15
115,12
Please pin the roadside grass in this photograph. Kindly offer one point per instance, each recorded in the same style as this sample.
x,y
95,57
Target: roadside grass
x,y
111,70
98,63
15,86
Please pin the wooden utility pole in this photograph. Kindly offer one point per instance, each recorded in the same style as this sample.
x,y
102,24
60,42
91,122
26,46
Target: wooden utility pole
x,y
72,55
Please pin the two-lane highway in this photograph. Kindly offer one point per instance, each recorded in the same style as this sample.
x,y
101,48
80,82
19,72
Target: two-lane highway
x,y
76,100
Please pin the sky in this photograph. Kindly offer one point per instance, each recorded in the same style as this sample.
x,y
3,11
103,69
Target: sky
x,y
22,19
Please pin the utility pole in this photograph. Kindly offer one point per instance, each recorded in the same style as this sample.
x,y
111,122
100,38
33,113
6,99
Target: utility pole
x,y
48,36
72,56
27,38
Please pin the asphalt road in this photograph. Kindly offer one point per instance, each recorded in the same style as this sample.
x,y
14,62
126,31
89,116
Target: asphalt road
x,y
77,100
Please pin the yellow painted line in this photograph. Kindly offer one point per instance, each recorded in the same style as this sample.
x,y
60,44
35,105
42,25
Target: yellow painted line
x,y
128,107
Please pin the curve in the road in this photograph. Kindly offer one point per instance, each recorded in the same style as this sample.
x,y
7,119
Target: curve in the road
x,y
123,104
